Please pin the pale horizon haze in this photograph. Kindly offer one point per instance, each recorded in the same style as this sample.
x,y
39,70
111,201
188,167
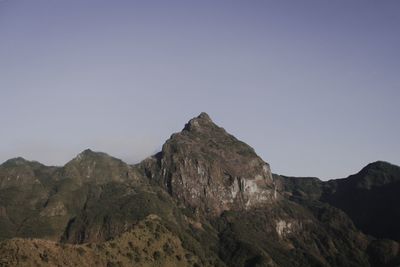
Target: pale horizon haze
x,y
313,86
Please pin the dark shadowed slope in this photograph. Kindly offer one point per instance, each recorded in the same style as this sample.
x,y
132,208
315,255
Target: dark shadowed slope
x,y
371,198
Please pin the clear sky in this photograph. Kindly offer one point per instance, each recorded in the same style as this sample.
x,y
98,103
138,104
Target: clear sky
x,y
313,86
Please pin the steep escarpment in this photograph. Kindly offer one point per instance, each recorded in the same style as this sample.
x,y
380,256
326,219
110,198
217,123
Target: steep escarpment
x,y
210,170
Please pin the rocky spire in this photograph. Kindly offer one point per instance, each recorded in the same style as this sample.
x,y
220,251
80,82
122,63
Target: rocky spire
x,y
209,169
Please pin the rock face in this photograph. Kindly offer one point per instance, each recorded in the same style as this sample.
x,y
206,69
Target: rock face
x,y
208,169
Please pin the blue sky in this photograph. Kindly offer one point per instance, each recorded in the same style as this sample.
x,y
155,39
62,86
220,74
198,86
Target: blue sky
x,y
313,86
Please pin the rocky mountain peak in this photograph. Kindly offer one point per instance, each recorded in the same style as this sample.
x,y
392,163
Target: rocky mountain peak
x,y
210,170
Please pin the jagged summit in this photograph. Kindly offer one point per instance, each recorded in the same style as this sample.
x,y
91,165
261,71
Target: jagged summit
x,y
204,115
202,129
202,122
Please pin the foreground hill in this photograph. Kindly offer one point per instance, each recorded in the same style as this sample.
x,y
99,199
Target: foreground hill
x,y
148,243
206,199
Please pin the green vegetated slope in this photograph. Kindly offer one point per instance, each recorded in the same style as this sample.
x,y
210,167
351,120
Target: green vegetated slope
x,y
206,199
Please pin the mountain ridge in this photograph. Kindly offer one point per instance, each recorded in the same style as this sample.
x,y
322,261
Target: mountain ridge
x,y
212,192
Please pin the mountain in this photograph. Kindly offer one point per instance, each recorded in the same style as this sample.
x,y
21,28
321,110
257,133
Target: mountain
x,y
210,170
367,197
206,199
